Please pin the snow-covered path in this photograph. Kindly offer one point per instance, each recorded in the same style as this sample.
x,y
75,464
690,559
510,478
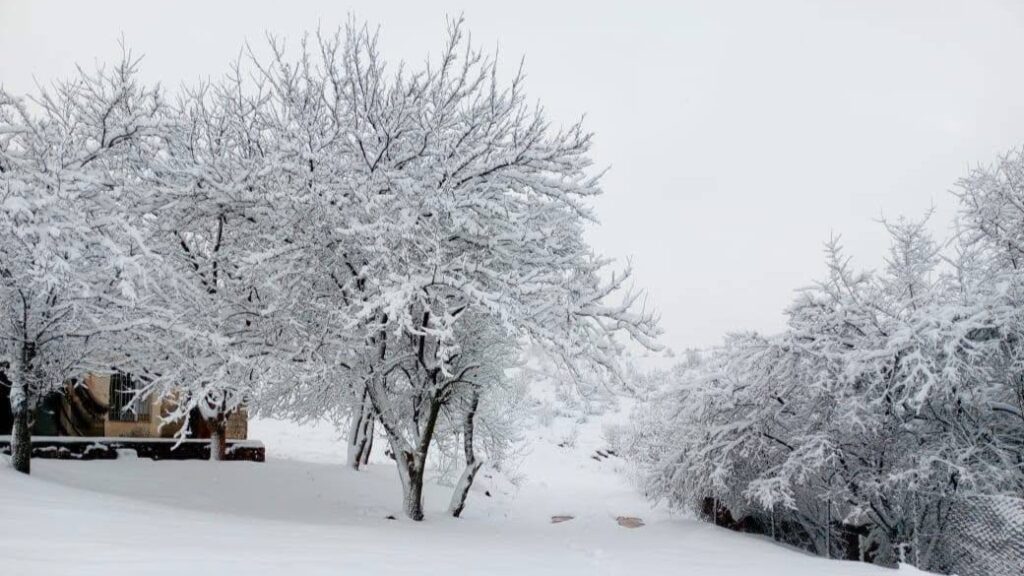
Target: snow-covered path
x,y
304,513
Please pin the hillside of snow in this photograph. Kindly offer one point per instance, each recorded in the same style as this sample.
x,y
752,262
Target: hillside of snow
x,y
303,512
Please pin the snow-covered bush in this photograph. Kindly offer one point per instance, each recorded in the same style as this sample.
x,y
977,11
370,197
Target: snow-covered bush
x,y
892,397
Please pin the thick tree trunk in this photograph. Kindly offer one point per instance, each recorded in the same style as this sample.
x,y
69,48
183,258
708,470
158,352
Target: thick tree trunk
x,y
218,440
458,503
411,471
21,432
411,465
21,435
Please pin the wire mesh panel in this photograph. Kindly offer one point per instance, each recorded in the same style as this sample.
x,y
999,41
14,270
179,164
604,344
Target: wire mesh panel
x,y
985,537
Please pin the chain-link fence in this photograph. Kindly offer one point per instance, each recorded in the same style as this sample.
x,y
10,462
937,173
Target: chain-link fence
x,y
984,536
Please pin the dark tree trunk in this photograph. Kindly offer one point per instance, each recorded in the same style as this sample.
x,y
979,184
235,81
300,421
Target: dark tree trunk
x,y
368,440
413,463
360,437
21,432
21,438
412,485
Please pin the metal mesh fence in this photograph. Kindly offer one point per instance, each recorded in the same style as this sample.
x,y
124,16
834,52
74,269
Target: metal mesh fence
x,y
984,536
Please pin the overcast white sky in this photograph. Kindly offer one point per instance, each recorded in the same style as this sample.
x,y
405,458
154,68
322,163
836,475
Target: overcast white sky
x,y
739,134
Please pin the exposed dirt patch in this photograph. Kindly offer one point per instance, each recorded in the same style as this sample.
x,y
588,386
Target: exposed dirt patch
x,y
559,519
629,521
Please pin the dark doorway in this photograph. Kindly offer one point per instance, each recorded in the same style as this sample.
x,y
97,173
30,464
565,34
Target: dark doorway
x,y
6,420
197,426
47,415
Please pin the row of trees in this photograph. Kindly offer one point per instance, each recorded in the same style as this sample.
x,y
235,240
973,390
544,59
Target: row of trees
x,y
311,235
892,398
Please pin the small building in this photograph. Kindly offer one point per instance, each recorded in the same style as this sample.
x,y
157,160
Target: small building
x,y
95,417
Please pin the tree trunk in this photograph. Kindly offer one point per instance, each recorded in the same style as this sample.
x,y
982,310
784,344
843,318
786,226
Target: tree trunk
x,y
412,465
410,469
355,441
368,440
218,440
360,436
21,432
21,435
458,503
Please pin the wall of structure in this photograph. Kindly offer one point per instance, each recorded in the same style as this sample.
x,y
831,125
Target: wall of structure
x,y
87,413
238,425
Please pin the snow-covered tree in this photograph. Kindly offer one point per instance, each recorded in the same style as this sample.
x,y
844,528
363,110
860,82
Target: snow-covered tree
x,y
435,203
71,262
891,398
474,207
216,316
321,237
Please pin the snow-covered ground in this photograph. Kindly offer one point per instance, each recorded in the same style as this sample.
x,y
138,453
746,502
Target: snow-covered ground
x,y
303,512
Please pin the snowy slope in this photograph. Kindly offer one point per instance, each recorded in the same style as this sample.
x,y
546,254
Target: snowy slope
x,y
303,513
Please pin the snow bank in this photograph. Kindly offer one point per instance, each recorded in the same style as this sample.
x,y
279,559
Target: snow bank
x,y
302,512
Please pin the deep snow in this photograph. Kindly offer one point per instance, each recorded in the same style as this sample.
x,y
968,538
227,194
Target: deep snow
x,y
303,512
